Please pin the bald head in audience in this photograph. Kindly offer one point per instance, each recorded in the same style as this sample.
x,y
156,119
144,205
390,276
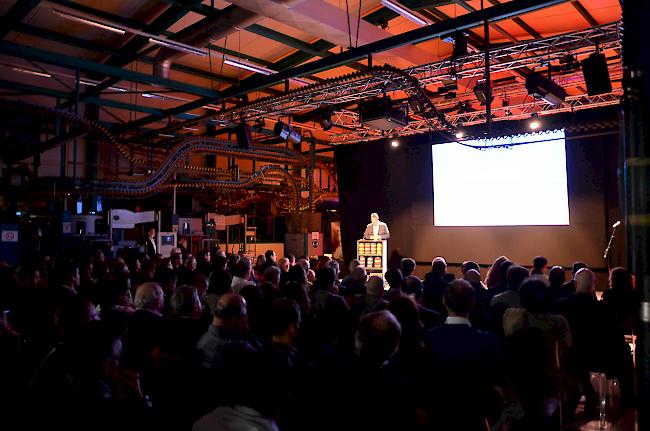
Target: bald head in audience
x,y
375,286
231,312
585,281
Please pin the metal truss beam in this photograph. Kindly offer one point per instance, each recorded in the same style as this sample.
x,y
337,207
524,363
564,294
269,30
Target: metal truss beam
x,y
345,91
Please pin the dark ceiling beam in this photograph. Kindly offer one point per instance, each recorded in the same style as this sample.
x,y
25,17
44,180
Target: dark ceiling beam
x,y
35,54
133,47
496,27
463,22
584,13
15,15
521,23
50,92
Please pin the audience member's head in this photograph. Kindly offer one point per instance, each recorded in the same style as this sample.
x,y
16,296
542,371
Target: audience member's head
x,y
325,278
405,309
438,267
459,298
297,274
272,275
190,263
412,286
270,255
515,276
539,265
494,277
577,266
469,264
472,275
243,268
285,320
334,264
219,262
292,259
557,276
231,312
394,278
535,295
201,282
408,266
375,286
149,296
359,275
620,279
585,281
185,302
353,264
377,338
284,264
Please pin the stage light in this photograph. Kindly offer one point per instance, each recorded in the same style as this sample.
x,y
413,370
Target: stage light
x,y
325,117
534,122
395,141
405,12
459,134
286,132
243,134
541,87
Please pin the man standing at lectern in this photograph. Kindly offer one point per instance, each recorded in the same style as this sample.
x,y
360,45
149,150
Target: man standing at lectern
x,y
376,230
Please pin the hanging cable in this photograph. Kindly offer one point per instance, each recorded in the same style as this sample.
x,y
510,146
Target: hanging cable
x,y
356,42
347,14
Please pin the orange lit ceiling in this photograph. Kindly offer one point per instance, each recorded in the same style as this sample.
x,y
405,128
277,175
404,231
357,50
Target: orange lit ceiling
x,y
276,35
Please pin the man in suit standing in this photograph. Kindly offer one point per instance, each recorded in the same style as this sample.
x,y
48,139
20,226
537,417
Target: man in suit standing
x,y
376,230
150,244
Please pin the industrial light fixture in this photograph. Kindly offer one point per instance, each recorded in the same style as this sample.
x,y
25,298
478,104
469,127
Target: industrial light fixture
x,y
287,133
458,133
236,62
94,22
395,141
122,29
31,72
405,12
534,122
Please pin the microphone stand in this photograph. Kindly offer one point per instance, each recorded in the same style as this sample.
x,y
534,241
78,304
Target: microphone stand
x,y
609,244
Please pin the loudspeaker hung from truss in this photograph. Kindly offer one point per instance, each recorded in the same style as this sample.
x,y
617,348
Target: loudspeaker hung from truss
x,y
481,93
541,87
381,113
594,69
459,39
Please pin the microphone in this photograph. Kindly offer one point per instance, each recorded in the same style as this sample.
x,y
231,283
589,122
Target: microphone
x,y
617,224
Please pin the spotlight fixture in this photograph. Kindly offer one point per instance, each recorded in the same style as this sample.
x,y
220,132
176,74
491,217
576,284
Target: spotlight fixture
x,y
407,13
287,133
464,107
541,87
325,117
395,141
534,122
459,134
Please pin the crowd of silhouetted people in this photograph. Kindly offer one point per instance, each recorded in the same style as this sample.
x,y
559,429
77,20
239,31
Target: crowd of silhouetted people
x,y
215,342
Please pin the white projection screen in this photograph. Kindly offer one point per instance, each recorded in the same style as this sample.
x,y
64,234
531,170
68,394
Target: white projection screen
x,y
522,183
